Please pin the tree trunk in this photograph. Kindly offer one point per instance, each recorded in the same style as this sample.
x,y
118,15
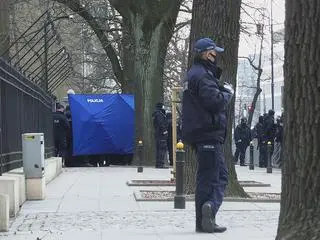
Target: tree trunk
x,y
148,26
218,20
253,104
4,28
300,197
127,54
151,26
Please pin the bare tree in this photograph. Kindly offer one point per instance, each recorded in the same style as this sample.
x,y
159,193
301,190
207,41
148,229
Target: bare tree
x,y
175,64
148,27
259,70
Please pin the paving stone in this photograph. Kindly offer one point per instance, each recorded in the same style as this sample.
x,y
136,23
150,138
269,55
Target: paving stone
x,y
96,203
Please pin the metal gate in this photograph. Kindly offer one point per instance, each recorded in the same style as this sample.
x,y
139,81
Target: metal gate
x,y
24,107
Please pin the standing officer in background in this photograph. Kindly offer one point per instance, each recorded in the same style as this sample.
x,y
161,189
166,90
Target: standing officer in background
x,y
161,134
60,129
270,128
69,140
242,138
269,135
204,125
259,133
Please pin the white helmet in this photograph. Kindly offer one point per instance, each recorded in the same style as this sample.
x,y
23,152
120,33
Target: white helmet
x,y
70,91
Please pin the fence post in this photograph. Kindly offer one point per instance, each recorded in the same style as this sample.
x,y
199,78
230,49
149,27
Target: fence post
x,y
251,164
140,152
179,198
269,167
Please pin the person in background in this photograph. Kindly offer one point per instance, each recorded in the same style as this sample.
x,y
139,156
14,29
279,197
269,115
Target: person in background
x,y
269,132
262,143
161,134
60,128
69,140
242,137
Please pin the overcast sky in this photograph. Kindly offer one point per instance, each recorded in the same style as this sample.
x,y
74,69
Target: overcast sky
x,y
249,43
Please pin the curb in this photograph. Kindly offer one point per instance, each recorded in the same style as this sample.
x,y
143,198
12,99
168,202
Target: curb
x,y
132,184
190,198
168,184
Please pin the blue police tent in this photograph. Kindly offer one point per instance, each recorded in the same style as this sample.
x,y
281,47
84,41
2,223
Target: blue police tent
x,y
102,123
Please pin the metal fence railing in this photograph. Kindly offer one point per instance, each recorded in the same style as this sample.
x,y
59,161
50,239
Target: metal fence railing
x,y
24,107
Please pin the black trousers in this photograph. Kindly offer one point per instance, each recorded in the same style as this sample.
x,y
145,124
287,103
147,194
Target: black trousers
x,y
212,178
161,147
263,155
60,146
241,149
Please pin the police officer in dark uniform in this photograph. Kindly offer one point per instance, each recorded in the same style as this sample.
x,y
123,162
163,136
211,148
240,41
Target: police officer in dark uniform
x,y
270,126
204,125
270,132
242,137
69,161
262,142
161,134
60,129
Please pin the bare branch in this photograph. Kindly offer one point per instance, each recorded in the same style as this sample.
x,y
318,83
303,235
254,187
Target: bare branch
x,y
76,7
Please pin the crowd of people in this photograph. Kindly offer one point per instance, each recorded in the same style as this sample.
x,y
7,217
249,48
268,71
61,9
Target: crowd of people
x,y
267,130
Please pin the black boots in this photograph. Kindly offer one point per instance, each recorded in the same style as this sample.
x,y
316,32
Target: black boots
x,y
208,220
162,167
208,223
217,229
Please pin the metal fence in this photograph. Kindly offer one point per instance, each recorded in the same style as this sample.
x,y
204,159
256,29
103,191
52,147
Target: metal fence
x,y
24,108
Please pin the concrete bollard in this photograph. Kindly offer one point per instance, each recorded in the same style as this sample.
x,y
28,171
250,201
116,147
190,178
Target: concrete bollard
x,y
179,198
251,164
269,167
10,186
140,152
4,213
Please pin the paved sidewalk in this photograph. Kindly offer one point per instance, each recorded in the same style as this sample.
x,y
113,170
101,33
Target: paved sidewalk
x,y
95,203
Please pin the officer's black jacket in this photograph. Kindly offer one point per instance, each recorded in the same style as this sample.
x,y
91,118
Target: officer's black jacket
x,y
243,133
269,128
259,132
279,133
60,125
159,122
204,106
